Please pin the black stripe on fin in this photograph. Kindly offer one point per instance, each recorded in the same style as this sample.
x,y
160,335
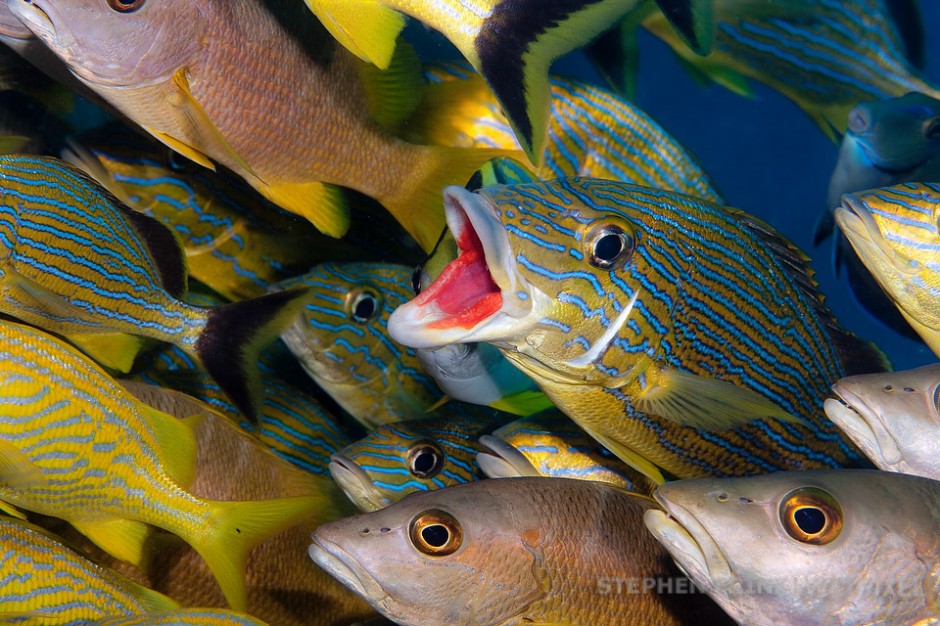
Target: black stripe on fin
x,y
165,249
233,338
692,19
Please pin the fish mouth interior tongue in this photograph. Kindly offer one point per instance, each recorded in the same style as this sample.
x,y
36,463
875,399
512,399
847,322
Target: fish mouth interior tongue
x,y
465,292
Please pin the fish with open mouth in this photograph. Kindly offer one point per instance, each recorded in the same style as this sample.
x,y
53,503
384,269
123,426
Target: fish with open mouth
x,y
688,338
808,548
893,417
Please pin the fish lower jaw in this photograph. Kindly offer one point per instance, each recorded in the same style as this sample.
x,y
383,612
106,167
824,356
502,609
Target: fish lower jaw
x,y
330,558
860,228
356,484
855,419
691,546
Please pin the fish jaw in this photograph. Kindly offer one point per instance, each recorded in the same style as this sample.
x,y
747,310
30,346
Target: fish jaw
x,y
480,296
356,484
343,567
41,24
500,459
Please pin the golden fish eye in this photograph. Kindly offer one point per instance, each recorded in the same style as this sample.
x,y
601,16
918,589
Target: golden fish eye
x,y
436,533
608,246
811,515
425,460
362,305
126,6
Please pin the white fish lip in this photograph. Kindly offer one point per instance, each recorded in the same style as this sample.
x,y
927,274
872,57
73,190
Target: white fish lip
x,y
413,323
343,567
500,459
865,426
39,19
859,226
357,484
690,544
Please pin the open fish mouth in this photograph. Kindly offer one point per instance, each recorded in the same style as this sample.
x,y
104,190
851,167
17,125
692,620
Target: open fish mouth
x,y
864,426
860,228
480,295
356,483
690,544
501,460
346,569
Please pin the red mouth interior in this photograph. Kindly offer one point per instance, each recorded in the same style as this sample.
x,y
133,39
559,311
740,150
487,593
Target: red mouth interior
x,y
464,291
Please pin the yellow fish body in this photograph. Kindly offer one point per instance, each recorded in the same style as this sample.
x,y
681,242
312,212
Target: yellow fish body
x,y
75,445
285,107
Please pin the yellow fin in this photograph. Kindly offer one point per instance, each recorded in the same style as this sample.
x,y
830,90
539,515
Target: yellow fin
x,y
236,527
629,456
187,151
700,402
115,351
124,539
23,290
12,143
323,205
527,402
155,601
367,29
11,510
176,440
393,93
17,470
441,402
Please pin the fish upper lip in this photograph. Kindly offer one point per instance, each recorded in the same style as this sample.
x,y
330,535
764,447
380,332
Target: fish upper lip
x,y
859,226
352,479
346,569
32,9
864,426
498,455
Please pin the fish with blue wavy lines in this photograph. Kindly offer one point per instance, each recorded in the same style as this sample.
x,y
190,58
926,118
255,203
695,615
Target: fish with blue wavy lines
x,y
341,339
417,455
77,262
76,445
179,617
688,338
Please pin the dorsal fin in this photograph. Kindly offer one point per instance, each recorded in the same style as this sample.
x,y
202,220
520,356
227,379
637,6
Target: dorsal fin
x,y
858,356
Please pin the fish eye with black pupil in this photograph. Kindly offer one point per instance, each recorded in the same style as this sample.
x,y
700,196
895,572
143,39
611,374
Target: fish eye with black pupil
x,y
608,246
364,305
435,533
811,516
425,460
126,6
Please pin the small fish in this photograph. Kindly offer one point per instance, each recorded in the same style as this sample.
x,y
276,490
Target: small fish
x,y
341,339
894,232
808,548
893,417
261,88
75,261
44,576
550,444
642,314
181,617
235,241
511,552
395,460
511,43
825,55
75,445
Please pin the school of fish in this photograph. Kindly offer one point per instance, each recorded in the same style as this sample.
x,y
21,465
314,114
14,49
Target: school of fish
x,y
306,321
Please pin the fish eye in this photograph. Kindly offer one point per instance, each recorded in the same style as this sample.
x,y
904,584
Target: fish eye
x,y
362,305
126,6
812,516
425,460
435,533
608,246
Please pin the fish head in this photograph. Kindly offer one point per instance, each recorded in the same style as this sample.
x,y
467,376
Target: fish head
x,y
550,274
11,27
118,43
342,341
810,547
440,557
896,233
893,417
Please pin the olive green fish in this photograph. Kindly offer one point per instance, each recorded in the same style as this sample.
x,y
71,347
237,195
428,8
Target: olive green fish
x,y
45,577
418,455
342,341
235,241
511,43
550,444
512,552
78,263
260,87
893,417
75,445
808,548
643,315
894,232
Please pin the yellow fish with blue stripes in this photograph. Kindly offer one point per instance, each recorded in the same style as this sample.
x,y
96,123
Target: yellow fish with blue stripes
x,y
75,445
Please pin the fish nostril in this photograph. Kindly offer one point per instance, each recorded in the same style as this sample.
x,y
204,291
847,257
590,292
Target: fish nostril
x,y
858,120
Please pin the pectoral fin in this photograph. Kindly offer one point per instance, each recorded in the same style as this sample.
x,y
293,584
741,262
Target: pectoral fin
x,y
700,402
186,150
115,351
17,470
527,402
629,456
121,538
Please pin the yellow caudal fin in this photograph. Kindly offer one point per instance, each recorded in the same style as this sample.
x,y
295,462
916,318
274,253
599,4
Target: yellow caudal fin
x,y
234,528
366,28
323,205
419,207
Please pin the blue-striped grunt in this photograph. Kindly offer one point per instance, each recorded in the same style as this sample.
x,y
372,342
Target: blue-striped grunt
x,y
181,617
644,314
75,445
550,444
341,339
418,455
894,232
78,263
45,577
